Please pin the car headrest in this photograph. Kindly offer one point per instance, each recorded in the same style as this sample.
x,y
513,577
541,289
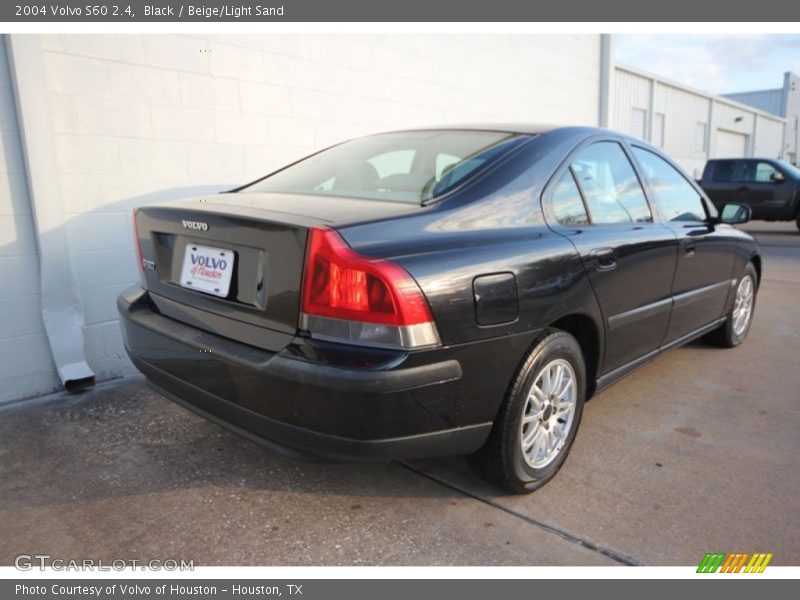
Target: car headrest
x,y
356,175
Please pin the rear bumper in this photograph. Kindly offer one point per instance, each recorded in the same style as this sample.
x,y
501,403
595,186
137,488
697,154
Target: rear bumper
x,y
397,408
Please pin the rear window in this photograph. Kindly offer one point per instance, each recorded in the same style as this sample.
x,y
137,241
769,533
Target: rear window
x,y
756,171
410,167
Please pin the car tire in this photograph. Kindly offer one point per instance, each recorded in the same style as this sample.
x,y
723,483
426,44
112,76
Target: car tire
x,y
734,331
503,459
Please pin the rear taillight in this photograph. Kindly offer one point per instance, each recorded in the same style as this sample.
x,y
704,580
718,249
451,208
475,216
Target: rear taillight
x,y
355,299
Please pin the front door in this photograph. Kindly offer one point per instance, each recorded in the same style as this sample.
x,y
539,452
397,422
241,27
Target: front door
x,y
705,257
764,188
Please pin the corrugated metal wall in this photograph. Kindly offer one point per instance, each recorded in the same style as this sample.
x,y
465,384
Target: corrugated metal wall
x,y
693,120
784,102
770,101
630,91
684,113
768,140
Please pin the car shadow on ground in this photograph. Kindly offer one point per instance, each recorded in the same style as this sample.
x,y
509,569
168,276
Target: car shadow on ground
x,y
123,439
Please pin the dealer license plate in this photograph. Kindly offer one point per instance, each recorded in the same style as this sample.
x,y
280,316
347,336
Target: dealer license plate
x,y
207,269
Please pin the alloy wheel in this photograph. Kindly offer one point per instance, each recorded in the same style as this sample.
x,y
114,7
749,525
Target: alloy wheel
x,y
743,305
549,413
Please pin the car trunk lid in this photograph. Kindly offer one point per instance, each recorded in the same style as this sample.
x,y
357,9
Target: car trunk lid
x,y
259,239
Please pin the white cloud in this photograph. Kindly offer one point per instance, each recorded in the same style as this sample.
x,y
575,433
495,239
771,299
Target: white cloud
x,y
717,63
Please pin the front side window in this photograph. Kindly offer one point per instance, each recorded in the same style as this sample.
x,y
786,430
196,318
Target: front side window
x,y
409,166
676,197
757,172
610,187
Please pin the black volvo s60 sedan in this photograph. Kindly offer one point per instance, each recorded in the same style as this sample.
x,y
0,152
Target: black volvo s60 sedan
x,y
435,292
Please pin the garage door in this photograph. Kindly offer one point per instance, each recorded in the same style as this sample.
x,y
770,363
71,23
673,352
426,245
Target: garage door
x,y
730,144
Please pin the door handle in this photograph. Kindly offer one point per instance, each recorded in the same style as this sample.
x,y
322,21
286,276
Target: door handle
x,y
689,247
743,188
603,259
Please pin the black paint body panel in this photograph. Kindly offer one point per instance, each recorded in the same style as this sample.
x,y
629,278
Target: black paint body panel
x,y
495,268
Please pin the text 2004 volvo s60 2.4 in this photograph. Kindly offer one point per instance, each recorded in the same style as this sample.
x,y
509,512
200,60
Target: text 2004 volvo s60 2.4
x,y
435,292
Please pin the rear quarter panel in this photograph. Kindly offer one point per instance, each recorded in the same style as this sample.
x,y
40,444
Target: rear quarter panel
x,y
495,226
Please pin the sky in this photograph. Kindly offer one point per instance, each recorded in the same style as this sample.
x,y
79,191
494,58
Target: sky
x,y
715,63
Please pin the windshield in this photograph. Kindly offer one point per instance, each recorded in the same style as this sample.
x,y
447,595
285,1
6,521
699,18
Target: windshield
x,y
789,168
411,167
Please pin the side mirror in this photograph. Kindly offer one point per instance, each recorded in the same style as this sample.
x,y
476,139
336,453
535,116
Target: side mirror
x,y
735,214
777,177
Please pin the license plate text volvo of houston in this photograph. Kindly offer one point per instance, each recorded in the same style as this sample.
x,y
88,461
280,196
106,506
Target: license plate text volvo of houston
x,y
449,291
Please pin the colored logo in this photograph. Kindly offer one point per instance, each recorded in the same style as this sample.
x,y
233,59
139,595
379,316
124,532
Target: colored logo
x,y
734,563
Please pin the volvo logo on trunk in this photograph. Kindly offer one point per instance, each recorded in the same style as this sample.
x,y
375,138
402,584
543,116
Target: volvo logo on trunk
x,y
198,225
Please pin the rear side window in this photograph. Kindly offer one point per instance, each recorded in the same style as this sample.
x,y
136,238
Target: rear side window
x,y
610,187
723,171
676,197
567,202
757,172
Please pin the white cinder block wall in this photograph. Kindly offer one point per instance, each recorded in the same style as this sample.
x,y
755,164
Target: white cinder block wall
x,y
26,367
142,118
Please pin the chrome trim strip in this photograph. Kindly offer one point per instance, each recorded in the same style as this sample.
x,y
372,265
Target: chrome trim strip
x,y
639,313
691,296
678,301
374,335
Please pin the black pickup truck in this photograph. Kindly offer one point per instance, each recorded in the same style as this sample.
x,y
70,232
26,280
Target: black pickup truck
x,y
770,187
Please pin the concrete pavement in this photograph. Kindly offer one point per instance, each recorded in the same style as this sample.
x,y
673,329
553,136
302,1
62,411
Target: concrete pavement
x,y
696,452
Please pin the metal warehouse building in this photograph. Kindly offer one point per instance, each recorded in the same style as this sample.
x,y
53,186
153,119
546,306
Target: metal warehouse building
x,y
689,125
94,125
784,102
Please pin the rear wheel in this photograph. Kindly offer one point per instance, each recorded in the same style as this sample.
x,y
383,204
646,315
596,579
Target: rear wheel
x,y
737,324
539,418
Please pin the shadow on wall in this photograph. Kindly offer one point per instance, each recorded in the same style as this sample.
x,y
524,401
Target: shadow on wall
x,y
104,264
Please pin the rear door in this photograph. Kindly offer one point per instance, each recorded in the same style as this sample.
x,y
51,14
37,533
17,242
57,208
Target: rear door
x,y
597,201
706,252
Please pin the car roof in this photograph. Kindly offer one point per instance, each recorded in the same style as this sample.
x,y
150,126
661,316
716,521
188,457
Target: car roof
x,y
744,158
523,128
577,132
